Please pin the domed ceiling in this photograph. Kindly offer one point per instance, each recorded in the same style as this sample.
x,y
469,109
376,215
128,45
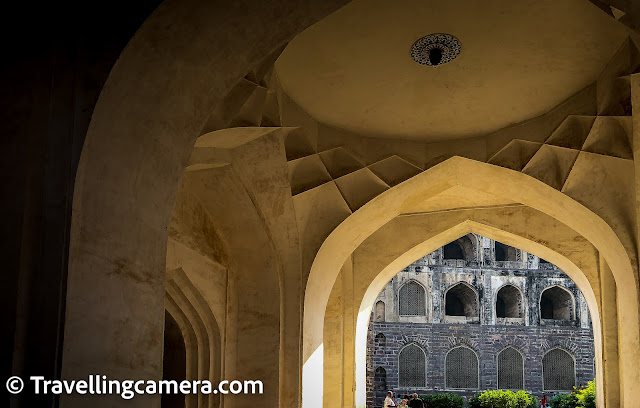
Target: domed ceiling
x,y
519,59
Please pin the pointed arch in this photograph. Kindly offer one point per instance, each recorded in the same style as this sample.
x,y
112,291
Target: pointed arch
x,y
493,230
504,253
463,248
509,302
557,303
461,299
459,171
530,193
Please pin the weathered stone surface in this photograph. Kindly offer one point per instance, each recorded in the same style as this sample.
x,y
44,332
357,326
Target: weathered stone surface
x,y
526,275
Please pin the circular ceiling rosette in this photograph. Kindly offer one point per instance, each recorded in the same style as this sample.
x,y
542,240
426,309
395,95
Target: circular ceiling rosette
x,y
435,49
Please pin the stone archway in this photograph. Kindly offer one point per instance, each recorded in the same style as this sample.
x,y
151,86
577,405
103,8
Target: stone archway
x,y
164,86
482,224
374,216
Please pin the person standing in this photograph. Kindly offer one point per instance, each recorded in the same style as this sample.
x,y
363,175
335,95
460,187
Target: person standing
x,y
389,402
416,402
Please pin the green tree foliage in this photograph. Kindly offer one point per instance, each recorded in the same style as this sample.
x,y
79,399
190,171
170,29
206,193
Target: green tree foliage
x,y
564,401
474,402
587,396
443,400
503,399
582,398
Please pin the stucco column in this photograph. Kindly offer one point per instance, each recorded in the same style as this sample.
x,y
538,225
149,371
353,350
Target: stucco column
x,y
609,325
348,335
332,339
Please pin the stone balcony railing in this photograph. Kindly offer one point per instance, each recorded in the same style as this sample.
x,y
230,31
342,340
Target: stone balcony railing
x,y
463,263
510,321
558,322
506,264
547,266
461,319
455,263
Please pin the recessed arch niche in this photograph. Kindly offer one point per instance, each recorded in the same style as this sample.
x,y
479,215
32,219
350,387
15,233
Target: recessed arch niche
x,y
461,299
509,302
557,303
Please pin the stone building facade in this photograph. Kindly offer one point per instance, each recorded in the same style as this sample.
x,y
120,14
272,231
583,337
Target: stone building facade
x,y
476,315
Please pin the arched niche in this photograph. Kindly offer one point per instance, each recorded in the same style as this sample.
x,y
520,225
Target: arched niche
x,y
557,303
463,248
505,253
461,300
380,311
509,302
380,379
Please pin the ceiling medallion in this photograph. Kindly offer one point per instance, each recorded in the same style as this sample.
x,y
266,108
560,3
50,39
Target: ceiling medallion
x,y
435,49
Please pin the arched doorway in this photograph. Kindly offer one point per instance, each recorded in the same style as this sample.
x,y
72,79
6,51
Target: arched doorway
x,y
482,229
488,336
529,244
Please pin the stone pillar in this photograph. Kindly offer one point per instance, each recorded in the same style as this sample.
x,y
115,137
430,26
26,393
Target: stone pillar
x,y
332,340
609,324
349,313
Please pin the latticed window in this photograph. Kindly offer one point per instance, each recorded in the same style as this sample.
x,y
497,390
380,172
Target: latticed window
x,y
461,366
558,371
412,367
510,370
412,300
